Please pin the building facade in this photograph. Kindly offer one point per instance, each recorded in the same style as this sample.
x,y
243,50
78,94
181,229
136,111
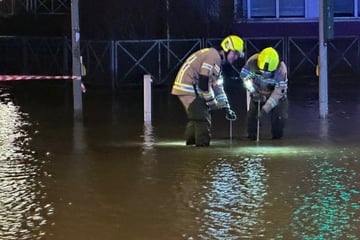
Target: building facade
x,y
256,18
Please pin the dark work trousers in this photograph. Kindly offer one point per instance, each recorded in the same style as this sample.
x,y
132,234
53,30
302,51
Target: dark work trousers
x,y
278,117
199,123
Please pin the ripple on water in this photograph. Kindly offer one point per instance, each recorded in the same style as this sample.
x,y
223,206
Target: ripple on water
x,y
23,211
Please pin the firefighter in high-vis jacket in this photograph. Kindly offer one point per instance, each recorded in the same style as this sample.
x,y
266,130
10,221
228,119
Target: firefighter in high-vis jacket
x,y
199,86
265,77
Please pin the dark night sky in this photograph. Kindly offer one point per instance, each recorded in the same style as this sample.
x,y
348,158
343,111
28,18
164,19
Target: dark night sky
x,y
141,19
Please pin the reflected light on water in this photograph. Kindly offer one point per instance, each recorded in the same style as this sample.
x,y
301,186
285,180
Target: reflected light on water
x,y
232,199
21,209
330,210
224,146
149,139
148,156
324,128
276,150
170,144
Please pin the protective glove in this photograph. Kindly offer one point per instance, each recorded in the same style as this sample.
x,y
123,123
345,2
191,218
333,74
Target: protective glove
x,y
230,115
212,105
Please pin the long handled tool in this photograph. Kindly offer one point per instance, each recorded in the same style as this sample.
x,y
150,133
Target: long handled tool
x,y
258,123
231,131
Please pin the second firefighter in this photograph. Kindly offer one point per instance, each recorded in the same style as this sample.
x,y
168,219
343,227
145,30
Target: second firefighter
x,y
265,77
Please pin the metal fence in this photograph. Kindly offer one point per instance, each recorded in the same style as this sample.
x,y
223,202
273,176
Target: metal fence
x,y
35,7
116,64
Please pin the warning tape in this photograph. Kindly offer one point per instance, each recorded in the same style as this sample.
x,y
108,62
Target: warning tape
x,y
36,77
40,77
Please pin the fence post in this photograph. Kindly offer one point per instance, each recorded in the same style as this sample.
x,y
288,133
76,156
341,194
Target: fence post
x,y
113,65
147,98
76,67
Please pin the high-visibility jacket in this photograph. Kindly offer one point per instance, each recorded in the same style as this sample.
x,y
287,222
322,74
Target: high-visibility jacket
x,y
270,88
206,62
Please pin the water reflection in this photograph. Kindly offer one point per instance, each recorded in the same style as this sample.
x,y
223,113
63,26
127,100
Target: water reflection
x,y
149,139
232,199
324,129
115,180
148,154
79,138
330,210
23,209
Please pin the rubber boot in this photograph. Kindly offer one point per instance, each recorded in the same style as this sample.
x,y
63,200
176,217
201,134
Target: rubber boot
x,y
202,133
190,133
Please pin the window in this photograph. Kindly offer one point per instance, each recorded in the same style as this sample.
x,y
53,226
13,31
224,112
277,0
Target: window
x,y
263,9
292,8
277,9
343,8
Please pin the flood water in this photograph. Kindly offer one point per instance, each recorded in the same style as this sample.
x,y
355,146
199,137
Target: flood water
x,y
110,176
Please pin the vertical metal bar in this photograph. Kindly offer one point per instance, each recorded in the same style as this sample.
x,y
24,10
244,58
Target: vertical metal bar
x,y
231,131
235,12
25,54
116,61
323,78
248,99
167,33
285,48
248,9
258,123
147,98
159,60
112,65
77,91
356,8
66,60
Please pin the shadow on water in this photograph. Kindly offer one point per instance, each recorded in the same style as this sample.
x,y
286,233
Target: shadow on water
x,y
112,176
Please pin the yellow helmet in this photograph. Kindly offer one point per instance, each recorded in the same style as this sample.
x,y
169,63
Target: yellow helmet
x,y
233,43
268,59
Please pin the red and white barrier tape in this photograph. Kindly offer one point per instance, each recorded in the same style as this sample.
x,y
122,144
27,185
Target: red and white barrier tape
x,y
40,77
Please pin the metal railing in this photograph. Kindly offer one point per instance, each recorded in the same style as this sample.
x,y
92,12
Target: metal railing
x,y
53,7
116,64
35,56
159,58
